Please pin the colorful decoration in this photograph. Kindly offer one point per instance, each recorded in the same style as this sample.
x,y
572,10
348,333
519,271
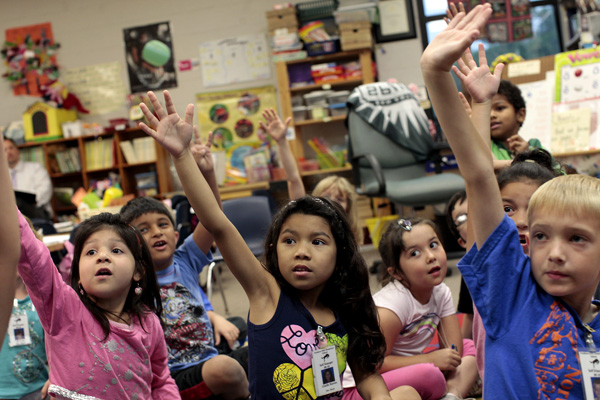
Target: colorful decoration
x,y
506,58
57,93
29,55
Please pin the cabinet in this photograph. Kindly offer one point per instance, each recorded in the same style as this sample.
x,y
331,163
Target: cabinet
x,y
89,149
333,126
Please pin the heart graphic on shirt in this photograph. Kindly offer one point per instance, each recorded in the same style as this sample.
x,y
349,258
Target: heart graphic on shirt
x,y
299,345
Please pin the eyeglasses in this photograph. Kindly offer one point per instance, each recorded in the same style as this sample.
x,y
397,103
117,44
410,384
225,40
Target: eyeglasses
x,y
461,219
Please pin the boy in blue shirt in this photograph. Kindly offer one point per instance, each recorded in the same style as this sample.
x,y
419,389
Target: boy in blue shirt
x,y
537,310
194,361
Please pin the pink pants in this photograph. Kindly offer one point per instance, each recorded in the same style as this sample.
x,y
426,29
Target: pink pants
x,y
426,379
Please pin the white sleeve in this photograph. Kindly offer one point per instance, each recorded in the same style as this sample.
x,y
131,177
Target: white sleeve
x,y
43,185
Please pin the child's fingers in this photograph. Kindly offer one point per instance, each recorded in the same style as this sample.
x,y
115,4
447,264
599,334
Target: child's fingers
x,y
287,123
149,116
196,136
458,73
209,139
462,67
149,131
157,107
189,114
465,102
482,56
169,103
498,70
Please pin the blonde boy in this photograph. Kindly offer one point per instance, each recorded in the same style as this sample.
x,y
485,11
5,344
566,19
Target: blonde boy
x,y
537,311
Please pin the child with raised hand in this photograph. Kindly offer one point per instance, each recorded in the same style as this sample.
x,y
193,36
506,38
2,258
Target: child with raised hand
x,y
103,333
191,328
334,187
311,299
414,303
9,244
536,309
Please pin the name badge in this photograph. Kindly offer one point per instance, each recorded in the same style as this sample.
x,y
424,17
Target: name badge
x,y
325,371
18,330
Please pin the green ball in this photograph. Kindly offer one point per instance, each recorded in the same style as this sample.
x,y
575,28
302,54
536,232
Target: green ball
x,y
156,53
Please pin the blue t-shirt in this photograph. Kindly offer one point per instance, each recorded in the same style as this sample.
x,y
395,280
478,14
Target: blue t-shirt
x,y
23,368
532,337
280,352
188,330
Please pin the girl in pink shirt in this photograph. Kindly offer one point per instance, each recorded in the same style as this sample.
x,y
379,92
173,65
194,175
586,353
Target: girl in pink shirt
x,y
104,339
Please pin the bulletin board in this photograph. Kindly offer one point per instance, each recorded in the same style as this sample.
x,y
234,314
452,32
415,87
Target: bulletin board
x,y
562,95
233,116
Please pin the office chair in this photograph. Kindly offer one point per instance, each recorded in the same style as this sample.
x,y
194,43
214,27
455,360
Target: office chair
x,y
389,146
252,217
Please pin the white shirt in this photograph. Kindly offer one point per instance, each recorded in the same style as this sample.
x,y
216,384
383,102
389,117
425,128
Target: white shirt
x,y
33,178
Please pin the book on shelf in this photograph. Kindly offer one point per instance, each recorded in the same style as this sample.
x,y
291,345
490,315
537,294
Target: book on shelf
x,y
68,160
145,149
99,154
128,152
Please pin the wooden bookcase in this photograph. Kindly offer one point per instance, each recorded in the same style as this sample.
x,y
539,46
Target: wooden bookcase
x,y
334,125
82,178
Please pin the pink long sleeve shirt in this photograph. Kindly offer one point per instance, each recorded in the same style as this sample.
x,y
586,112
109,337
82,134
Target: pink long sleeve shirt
x,y
130,364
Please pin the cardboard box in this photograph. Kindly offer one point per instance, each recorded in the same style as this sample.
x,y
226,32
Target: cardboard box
x,y
355,35
284,18
44,122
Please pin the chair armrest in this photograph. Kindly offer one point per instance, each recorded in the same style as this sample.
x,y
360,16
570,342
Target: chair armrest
x,y
376,167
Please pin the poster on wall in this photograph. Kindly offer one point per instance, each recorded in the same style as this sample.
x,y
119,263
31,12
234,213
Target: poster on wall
x,y
240,59
29,56
149,56
510,20
577,75
100,88
233,116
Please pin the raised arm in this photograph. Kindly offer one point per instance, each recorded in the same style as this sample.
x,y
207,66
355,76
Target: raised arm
x,y
472,153
10,246
204,160
277,130
174,134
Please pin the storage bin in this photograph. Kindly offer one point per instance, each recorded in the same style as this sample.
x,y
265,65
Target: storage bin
x,y
338,109
312,10
356,35
316,97
297,101
299,113
283,18
341,96
321,48
308,165
318,111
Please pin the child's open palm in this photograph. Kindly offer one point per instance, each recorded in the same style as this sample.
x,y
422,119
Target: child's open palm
x,y
170,131
201,152
479,81
274,127
449,44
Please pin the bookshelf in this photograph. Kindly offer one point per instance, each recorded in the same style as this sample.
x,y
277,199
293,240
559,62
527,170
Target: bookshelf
x,y
75,162
333,125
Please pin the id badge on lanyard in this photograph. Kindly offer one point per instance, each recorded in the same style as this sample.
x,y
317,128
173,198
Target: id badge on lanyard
x,y
589,359
326,373
18,328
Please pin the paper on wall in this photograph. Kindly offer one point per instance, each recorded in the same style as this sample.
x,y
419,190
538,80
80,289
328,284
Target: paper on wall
x,y
538,103
571,130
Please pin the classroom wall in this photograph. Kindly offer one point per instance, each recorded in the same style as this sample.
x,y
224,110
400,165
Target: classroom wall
x,y
91,32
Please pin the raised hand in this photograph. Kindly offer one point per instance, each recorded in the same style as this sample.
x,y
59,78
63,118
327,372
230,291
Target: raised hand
x,y
274,127
452,11
465,103
449,44
479,81
201,152
169,130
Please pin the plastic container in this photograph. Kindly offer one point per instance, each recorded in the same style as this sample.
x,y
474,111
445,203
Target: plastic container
x,y
338,109
299,113
321,48
318,111
308,165
340,96
317,97
297,101
311,10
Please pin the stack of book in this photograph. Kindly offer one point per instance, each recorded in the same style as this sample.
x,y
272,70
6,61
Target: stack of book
x,y
139,150
68,160
99,154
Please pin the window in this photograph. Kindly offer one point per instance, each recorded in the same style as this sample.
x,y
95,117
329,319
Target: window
x,y
546,39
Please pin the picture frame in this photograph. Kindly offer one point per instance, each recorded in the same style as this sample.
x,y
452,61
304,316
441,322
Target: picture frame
x,y
397,21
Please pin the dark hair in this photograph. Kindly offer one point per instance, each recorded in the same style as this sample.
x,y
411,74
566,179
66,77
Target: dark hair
x,y
135,305
392,245
512,94
347,290
534,165
457,198
11,140
144,205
